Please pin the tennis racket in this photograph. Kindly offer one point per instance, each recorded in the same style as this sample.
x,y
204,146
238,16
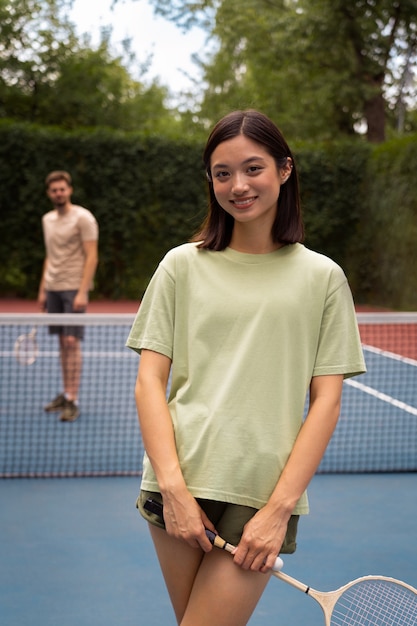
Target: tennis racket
x,y
26,348
366,601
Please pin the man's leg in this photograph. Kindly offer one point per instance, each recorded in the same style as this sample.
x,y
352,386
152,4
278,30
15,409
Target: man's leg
x,y
71,360
71,363
54,304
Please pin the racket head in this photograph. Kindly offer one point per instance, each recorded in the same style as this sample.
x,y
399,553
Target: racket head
x,y
26,348
375,601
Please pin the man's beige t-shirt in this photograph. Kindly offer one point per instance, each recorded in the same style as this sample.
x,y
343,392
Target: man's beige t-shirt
x,y
64,236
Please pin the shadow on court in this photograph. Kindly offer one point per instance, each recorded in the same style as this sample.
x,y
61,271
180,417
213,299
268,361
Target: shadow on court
x,y
75,552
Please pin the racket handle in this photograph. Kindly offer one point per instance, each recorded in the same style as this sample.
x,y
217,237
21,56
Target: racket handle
x,y
217,541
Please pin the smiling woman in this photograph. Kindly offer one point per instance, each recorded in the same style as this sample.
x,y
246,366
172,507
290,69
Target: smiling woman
x,y
243,321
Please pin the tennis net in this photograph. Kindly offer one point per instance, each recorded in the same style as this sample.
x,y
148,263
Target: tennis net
x,y
377,430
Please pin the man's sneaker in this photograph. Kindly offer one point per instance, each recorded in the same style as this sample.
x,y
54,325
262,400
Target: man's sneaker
x,y
70,412
56,404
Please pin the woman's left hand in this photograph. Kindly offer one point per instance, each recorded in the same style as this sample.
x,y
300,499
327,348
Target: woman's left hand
x,y
261,540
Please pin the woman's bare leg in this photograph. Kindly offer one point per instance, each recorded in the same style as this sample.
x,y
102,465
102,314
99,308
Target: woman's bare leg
x,y
179,564
206,589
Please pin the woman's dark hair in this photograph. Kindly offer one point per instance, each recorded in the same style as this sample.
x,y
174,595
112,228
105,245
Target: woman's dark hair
x,y
216,230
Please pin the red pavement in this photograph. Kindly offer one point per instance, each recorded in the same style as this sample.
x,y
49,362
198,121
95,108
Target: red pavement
x,y
19,305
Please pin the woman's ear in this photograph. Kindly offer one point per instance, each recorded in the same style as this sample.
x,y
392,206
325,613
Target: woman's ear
x,y
285,171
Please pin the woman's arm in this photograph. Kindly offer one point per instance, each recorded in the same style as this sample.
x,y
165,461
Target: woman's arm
x,y
265,532
183,517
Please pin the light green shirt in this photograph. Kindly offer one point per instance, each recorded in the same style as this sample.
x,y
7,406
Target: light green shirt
x,y
246,333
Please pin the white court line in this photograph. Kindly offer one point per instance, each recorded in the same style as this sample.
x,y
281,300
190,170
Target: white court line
x,y
383,396
390,355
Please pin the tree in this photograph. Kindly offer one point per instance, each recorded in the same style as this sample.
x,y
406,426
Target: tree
x,y
31,41
328,66
50,76
366,41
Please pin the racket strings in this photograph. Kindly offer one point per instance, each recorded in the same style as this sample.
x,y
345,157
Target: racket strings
x,y
26,349
376,603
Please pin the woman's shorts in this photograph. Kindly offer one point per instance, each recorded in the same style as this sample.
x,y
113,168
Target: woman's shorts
x,y
229,519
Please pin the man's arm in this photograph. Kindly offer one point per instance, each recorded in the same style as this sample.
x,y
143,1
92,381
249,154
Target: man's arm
x,y
90,266
42,290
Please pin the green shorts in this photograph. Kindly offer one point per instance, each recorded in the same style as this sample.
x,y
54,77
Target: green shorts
x,y
229,519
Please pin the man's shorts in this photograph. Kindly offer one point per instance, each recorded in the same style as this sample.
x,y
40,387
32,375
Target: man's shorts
x,y
229,519
62,302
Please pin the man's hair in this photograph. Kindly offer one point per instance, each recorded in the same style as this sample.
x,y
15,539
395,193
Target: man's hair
x,y
58,175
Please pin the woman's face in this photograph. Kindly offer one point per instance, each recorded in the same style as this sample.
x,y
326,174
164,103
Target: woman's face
x,y
246,181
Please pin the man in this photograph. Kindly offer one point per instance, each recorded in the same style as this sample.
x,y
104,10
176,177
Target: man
x,y
71,238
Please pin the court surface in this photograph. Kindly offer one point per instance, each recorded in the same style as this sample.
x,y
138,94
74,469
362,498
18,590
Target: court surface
x,y
75,552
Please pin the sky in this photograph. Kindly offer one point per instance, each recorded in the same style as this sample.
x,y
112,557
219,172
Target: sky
x,y
171,49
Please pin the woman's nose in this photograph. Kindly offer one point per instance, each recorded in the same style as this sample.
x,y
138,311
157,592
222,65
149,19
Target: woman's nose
x,y
239,183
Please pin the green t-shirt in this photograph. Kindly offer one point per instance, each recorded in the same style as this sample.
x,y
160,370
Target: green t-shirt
x,y
246,333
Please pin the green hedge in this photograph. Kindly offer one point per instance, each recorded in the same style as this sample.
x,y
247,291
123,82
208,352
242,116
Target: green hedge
x,y
331,178
385,269
149,194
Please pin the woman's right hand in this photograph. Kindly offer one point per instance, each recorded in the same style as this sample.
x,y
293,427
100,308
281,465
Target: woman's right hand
x,y
186,520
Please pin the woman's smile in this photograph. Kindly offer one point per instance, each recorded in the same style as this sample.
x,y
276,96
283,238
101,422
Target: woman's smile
x,y
243,203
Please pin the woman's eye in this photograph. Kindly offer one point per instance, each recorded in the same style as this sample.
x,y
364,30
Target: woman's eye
x,y
221,174
254,169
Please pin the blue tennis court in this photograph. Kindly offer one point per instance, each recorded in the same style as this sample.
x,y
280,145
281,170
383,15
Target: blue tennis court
x,y
75,551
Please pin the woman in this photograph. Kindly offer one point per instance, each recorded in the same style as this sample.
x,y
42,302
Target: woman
x,y
248,321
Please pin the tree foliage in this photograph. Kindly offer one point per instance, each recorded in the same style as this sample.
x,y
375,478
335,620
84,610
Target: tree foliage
x,y
324,67
319,68
49,75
